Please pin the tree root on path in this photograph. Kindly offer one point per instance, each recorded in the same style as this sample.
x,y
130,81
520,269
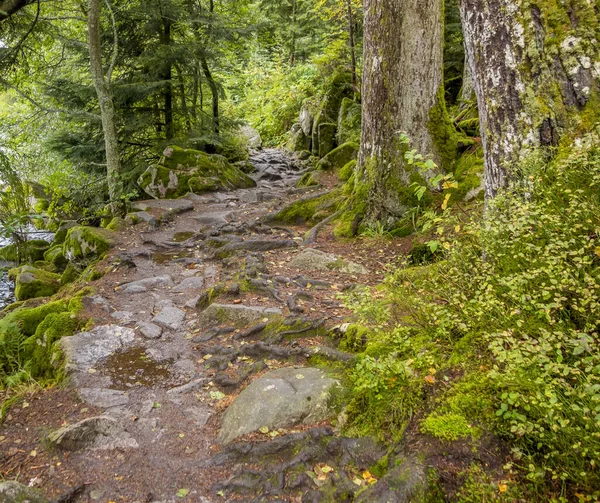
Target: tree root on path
x,y
311,235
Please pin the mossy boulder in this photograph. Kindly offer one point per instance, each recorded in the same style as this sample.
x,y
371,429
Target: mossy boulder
x,y
299,141
70,275
117,224
56,257
311,179
13,492
33,250
32,283
185,170
326,138
61,234
349,122
340,156
347,171
85,244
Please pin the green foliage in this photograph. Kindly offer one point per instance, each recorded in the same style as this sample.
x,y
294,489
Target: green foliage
x,y
446,426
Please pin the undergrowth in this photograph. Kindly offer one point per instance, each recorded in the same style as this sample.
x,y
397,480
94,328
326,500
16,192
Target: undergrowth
x,y
501,334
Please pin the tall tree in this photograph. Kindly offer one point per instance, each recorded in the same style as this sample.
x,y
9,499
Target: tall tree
x,y
105,100
536,72
402,92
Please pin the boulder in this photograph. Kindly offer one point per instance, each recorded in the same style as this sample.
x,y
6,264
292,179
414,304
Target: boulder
x,y
316,260
349,122
170,317
279,399
33,251
86,244
183,170
253,137
307,118
299,141
31,283
216,314
326,138
13,492
56,257
100,432
339,157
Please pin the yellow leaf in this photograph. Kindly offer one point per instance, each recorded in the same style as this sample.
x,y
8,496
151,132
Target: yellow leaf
x,y
430,379
597,251
446,200
327,469
502,488
457,228
264,430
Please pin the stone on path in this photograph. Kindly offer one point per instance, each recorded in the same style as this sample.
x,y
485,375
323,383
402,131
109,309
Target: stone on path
x,y
192,283
149,330
239,314
214,218
170,317
142,285
279,399
172,206
103,397
316,260
257,245
86,349
100,432
13,492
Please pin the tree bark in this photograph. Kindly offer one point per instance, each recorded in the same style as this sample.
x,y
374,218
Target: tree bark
x,y
168,80
352,43
10,7
214,89
107,109
467,91
402,92
536,71
293,41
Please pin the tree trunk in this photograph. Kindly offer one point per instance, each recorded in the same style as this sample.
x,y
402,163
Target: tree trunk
x,y
214,89
402,92
536,75
467,91
107,109
168,79
10,7
293,41
352,42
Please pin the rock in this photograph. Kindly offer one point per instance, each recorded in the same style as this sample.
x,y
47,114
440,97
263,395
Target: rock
x,y
214,218
170,317
122,316
279,399
31,283
86,349
13,492
316,260
150,330
142,216
173,206
193,283
142,285
326,138
104,397
306,119
182,170
253,137
85,244
100,432
339,157
56,257
255,245
238,314
401,484
299,141
97,301
61,233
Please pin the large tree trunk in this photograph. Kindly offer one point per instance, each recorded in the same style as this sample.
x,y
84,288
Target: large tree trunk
x,y
107,109
402,92
536,73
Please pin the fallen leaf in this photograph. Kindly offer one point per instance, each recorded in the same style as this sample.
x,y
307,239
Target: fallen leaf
x,y
502,488
264,430
182,493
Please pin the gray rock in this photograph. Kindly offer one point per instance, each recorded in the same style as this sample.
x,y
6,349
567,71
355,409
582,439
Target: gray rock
x,y
214,218
257,245
279,399
306,120
142,285
174,206
253,137
97,301
170,317
150,330
142,216
86,349
192,283
103,397
122,316
237,314
100,432
13,492
401,484
316,260
199,415
187,388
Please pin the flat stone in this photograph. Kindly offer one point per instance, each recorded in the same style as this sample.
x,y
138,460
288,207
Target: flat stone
x,y
97,301
234,313
171,205
257,245
100,432
279,399
84,350
103,397
143,216
13,492
316,260
192,283
149,330
199,415
122,316
142,285
220,217
170,317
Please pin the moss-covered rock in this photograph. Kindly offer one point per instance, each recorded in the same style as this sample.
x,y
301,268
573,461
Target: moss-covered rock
x,y
304,210
311,179
183,170
70,275
299,141
56,257
61,233
13,492
32,283
327,132
85,244
347,171
33,250
117,224
349,122
340,156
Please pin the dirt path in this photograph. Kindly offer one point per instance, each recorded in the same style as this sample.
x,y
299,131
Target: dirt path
x,y
163,372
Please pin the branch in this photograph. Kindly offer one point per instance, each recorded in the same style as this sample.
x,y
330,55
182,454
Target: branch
x,y
14,50
10,7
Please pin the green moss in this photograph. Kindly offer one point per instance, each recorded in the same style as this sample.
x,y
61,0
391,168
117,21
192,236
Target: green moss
x,y
84,244
31,283
33,251
347,171
56,257
117,224
349,122
326,138
70,274
339,157
442,130
355,338
200,184
27,319
310,179
447,426
303,210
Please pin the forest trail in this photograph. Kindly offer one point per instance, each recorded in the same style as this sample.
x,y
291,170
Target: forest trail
x,y
160,367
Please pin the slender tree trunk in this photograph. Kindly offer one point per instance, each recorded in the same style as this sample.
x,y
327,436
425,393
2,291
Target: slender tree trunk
x,y
536,73
467,91
168,79
352,42
214,89
184,104
402,92
107,109
293,41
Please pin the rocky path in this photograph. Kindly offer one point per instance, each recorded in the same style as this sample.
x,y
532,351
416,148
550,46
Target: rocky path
x,y
208,300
